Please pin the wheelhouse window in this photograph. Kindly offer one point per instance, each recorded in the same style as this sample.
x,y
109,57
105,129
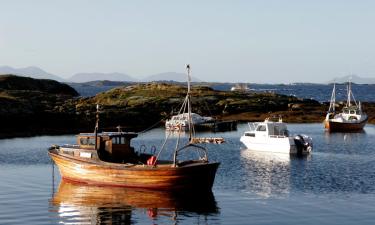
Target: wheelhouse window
x,y
261,128
276,130
87,141
250,134
118,140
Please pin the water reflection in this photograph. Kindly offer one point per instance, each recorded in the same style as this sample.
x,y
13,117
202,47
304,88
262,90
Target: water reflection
x,y
357,143
81,204
175,134
351,137
268,174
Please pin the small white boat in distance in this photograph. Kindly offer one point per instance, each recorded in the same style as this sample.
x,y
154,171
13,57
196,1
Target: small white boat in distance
x,y
270,136
181,121
240,87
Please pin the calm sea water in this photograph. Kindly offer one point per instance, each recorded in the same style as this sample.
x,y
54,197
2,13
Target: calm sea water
x,y
319,92
335,185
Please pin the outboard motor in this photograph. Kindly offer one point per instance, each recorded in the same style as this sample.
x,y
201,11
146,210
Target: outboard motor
x,y
303,144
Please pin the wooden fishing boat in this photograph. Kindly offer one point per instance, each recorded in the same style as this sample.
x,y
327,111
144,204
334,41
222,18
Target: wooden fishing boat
x,y
351,119
125,168
108,158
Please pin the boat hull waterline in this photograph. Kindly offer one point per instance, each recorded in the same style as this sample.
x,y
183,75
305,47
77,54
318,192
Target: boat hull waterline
x,y
333,126
197,175
276,145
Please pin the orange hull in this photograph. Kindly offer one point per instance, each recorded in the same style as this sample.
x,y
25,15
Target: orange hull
x,y
344,127
195,175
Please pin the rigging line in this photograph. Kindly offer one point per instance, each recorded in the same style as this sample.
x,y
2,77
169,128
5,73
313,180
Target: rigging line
x,y
178,139
183,108
162,147
354,98
153,126
179,106
158,122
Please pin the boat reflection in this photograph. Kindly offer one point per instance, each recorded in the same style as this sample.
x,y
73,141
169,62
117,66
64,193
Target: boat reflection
x,y
268,174
176,134
347,137
81,204
265,157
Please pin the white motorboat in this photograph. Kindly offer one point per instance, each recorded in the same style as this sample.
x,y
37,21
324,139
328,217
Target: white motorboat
x,y
270,136
181,121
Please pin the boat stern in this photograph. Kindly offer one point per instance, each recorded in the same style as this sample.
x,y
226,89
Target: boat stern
x,y
303,144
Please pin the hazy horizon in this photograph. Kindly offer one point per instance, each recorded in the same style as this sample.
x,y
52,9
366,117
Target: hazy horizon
x,y
224,41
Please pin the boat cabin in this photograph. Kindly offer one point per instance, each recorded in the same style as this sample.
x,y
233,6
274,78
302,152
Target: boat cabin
x,y
351,110
110,146
270,129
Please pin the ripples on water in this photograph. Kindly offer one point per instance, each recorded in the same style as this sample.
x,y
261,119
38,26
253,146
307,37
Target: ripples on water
x,y
335,185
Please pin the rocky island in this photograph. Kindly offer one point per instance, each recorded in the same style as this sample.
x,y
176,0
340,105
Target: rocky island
x,y
36,106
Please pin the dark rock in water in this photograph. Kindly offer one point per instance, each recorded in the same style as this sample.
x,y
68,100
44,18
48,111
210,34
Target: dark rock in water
x,y
32,106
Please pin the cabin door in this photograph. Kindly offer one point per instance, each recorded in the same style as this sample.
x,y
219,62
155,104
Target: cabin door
x,y
261,134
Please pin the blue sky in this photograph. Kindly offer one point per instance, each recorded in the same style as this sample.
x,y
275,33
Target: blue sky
x,y
236,41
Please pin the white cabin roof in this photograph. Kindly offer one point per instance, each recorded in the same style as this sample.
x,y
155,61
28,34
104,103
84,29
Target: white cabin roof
x,y
272,128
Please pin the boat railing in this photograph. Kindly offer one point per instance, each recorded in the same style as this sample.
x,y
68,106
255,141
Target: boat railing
x,y
202,152
212,140
70,146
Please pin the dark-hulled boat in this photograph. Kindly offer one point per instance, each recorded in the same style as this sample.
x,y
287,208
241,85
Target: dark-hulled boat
x,y
107,158
351,119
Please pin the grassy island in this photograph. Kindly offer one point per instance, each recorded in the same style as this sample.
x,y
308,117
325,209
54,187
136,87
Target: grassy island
x,y
31,106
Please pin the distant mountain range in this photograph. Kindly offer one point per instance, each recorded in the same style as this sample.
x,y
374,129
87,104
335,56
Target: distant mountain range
x,y
38,73
30,71
353,78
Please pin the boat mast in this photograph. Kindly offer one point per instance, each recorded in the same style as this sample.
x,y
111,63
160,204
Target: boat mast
x,y
96,127
333,99
349,94
189,104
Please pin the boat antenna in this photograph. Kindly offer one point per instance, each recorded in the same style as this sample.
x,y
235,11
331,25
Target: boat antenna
x,y
188,74
189,103
96,127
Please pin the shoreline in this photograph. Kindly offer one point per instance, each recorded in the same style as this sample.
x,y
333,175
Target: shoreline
x,y
32,107
55,132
